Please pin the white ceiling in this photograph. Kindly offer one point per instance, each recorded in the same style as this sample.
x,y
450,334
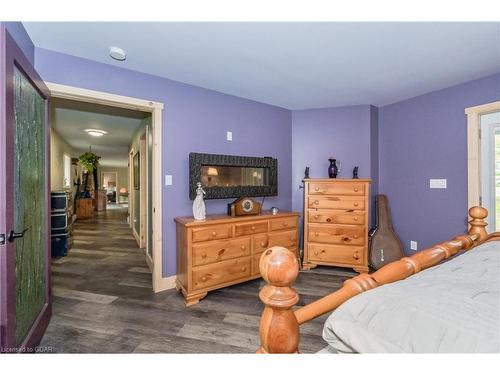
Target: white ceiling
x,y
71,118
292,65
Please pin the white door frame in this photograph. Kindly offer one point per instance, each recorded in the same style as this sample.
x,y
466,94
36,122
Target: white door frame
x,y
474,151
156,109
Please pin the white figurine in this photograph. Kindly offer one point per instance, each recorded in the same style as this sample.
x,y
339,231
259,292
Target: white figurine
x,y
199,203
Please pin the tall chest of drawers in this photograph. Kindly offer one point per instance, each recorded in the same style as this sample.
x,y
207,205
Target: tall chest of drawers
x,y
336,220
225,250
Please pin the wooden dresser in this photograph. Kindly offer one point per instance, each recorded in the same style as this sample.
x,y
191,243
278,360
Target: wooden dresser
x,y
225,250
336,220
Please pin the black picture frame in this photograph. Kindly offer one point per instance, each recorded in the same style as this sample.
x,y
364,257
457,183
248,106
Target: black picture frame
x,y
137,172
197,160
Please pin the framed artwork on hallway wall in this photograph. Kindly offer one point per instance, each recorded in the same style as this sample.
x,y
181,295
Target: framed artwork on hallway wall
x,y
137,174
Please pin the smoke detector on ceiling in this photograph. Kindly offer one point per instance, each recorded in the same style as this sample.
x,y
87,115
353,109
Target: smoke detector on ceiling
x,y
117,53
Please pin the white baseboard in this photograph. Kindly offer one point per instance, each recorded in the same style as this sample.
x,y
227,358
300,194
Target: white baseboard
x,y
165,283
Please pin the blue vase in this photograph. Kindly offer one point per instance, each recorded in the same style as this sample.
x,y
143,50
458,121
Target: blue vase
x,y
333,169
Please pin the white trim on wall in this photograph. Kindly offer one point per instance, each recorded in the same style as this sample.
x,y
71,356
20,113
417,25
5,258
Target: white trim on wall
x,y
155,108
473,150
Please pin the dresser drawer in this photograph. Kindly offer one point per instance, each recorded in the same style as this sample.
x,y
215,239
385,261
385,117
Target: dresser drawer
x,y
220,273
337,234
336,203
336,217
216,251
256,260
287,239
336,254
250,228
281,224
255,264
340,188
215,232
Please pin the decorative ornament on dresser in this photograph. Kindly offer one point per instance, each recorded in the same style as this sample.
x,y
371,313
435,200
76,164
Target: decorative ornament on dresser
x,y
355,173
333,169
199,211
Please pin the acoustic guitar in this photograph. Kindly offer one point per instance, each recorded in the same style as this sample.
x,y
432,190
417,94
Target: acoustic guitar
x,y
385,245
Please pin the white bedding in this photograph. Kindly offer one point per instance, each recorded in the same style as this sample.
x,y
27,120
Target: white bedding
x,y
450,308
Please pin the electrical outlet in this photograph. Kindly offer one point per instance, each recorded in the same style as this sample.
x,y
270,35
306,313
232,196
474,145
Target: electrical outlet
x,y
229,136
437,183
168,179
414,245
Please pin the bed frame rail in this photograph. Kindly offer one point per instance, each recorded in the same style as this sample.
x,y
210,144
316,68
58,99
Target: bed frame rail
x,y
279,324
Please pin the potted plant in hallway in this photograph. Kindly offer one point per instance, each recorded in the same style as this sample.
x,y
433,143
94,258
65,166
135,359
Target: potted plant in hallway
x,y
86,195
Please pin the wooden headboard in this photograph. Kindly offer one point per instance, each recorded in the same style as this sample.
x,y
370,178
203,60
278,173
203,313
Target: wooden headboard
x,y
279,325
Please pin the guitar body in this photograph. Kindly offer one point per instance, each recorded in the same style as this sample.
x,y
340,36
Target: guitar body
x,y
385,245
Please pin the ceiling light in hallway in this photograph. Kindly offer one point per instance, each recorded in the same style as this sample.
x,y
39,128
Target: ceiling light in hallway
x,y
96,132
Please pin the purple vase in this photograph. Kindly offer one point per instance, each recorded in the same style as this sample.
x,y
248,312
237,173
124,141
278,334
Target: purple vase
x,y
333,169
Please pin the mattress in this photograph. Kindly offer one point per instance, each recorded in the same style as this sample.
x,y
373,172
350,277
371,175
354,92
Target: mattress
x,y
450,308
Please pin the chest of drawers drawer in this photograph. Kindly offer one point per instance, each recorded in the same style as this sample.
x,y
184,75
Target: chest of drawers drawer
x,y
221,273
286,239
215,251
282,224
343,188
336,217
336,254
213,232
336,203
250,228
337,234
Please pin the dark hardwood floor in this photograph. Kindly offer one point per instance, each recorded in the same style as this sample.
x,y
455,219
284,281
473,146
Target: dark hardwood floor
x,y
103,302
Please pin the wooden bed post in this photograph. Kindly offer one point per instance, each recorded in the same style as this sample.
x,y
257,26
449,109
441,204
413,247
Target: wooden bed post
x,y
477,223
279,329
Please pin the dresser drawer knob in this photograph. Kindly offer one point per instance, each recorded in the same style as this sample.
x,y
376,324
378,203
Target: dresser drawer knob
x,y
328,219
317,189
356,255
243,269
204,278
316,202
356,204
221,252
355,236
204,256
356,190
346,239
214,233
253,227
316,234
243,247
316,217
264,244
316,252
355,218
285,224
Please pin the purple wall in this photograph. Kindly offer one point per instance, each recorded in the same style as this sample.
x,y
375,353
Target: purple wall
x,y
342,132
425,137
194,120
17,31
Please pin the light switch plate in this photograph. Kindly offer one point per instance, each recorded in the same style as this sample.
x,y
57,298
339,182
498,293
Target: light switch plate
x,y
229,136
414,245
168,179
437,183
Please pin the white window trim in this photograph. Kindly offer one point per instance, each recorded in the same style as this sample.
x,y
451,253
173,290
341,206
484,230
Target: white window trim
x,y
66,179
473,150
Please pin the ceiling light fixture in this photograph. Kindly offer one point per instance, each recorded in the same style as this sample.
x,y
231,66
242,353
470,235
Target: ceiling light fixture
x,y
117,53
96,132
